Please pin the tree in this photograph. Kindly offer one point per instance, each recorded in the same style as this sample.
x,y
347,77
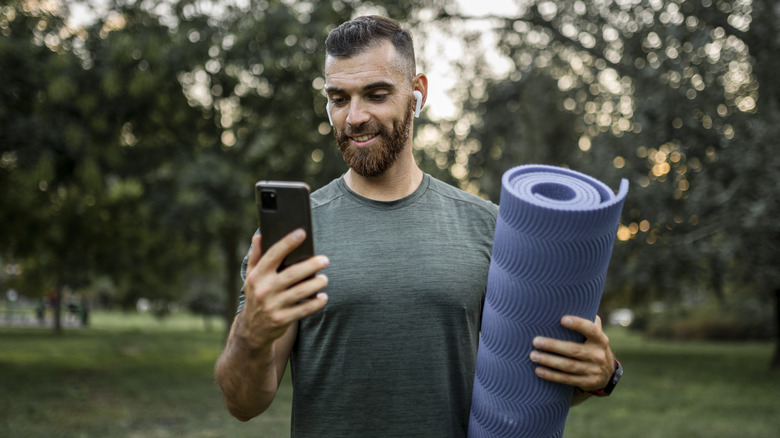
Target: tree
x,y
149,129
667,95
78,165
129,148
48,181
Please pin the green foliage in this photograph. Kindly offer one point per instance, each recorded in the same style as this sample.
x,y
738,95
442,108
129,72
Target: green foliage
x,y
80,165
129,148
677,97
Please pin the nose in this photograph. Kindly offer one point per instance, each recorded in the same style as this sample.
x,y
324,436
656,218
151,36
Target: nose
x,y
357,113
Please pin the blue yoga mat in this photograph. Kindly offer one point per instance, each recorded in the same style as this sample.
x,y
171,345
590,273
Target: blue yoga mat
x,y
553,241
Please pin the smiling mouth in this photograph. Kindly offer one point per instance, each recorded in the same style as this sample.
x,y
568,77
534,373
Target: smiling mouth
x,y
362,138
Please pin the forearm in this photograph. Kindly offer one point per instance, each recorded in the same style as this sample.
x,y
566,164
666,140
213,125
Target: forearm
x,y
262,336
247,375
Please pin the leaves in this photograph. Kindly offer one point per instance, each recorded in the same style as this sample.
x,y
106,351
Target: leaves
x,y
669,95
129,148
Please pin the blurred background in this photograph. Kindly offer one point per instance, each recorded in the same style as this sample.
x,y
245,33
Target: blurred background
x,y
132,132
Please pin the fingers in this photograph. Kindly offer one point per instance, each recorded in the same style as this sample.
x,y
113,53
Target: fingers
x,y
277,299
575,375
594,337
262,265
293,284
585,365
293,293
303,308
583,371
273,258
561,349
591,330
303,270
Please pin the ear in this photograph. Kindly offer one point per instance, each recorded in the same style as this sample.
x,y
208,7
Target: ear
x,y
420,85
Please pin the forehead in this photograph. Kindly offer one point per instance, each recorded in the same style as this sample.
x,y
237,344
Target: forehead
x,y
376,64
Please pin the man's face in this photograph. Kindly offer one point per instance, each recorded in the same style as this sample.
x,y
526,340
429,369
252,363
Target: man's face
x,y
371,106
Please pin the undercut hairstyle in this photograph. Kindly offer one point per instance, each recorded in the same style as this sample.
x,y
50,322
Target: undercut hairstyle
x,y
356,36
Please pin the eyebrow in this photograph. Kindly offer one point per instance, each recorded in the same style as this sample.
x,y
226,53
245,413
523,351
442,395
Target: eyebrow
x,y
369,87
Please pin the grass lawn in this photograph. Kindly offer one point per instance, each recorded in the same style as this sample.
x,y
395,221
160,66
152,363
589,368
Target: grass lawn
x,y
126,376
133,376
685,390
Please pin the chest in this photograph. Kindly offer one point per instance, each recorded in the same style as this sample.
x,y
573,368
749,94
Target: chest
x,y
387,263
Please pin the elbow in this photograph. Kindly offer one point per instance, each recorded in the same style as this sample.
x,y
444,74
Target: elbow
x,y
240,415
241,405
243,413
244,398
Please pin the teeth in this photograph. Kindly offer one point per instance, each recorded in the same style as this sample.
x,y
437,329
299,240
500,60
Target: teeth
x,y
363,137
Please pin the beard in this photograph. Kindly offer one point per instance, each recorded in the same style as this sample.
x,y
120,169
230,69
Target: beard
x,y
376,159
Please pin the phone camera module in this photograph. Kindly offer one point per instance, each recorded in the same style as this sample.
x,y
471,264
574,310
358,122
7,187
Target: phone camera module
x,y
268,200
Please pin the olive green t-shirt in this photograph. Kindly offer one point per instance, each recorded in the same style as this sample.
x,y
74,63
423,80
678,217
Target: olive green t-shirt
x,y
393,353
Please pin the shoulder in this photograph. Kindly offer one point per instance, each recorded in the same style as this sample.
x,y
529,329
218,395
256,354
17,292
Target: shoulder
x,y
326,194
463,199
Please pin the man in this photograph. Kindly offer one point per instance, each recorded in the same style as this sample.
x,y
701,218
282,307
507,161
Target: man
x,y
387,344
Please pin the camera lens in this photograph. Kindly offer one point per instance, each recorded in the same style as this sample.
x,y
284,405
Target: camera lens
x,y
268,200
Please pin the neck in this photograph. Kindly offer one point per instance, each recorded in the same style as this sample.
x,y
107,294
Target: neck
x,y
399,181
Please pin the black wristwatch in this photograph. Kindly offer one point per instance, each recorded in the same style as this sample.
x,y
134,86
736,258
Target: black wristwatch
x,y
613,381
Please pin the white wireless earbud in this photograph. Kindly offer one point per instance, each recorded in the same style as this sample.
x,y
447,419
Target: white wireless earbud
x,y
327,110
418,103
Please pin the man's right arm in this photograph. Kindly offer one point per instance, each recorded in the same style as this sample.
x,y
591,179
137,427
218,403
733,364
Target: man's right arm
x,y
252,364
248,376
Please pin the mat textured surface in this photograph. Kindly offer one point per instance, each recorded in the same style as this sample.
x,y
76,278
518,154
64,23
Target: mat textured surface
x,y
553,242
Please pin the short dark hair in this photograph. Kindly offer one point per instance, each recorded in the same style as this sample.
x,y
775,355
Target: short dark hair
x,y
362,33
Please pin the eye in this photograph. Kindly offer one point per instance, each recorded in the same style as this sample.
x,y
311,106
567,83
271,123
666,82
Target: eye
x,y
338,101
378,97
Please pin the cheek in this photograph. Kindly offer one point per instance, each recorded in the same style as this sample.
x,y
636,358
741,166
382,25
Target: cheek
x,y
391,119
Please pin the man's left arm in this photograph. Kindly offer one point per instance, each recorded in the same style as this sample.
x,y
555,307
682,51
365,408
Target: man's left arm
x,y
589,367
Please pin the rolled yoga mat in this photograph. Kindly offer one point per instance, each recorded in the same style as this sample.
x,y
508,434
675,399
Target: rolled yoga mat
x,y
553,241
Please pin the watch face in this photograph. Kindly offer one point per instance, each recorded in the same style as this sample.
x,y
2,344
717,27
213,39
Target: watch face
x,y
615,378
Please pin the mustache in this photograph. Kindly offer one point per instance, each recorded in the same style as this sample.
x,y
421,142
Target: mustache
x,y
361,129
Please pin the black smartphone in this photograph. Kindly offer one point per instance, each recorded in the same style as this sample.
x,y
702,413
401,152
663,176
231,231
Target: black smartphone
x,y
283,206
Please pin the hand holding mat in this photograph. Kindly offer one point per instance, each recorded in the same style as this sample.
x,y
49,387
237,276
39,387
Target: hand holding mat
x,y
553,241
